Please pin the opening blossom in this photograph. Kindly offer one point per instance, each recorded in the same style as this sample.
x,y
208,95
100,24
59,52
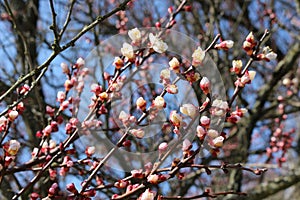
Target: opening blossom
x,y
219,107
139,133
225,45
189,110
267,54
175,118
236,66
13,147
174,65
148,195
135,35
127,51
198,57
172,89
79,63
12,115
218,142
245,79
157,44
159,102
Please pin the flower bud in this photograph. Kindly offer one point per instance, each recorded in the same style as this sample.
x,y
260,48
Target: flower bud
x,y
65,68
198,57
189,110
172,89
186,145
12,115
13,147
205,85
218,142
159,102
225,45
118,62
153,178
139,133
175,118
141,103
236,66
174,65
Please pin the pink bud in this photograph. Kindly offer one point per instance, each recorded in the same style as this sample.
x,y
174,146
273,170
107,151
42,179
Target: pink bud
x,y
158,25
174,65
23,90
205,121
68,85
61,96
71,188
205,85
137,173
65,68
186,145
79,63
187,8
201,132
47,130
175,118
153,178
163,147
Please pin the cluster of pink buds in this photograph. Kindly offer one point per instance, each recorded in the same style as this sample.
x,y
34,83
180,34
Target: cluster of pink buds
x,y
71,125
122,21
292,85
281,141
189,110
66,165
219,108
53,190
